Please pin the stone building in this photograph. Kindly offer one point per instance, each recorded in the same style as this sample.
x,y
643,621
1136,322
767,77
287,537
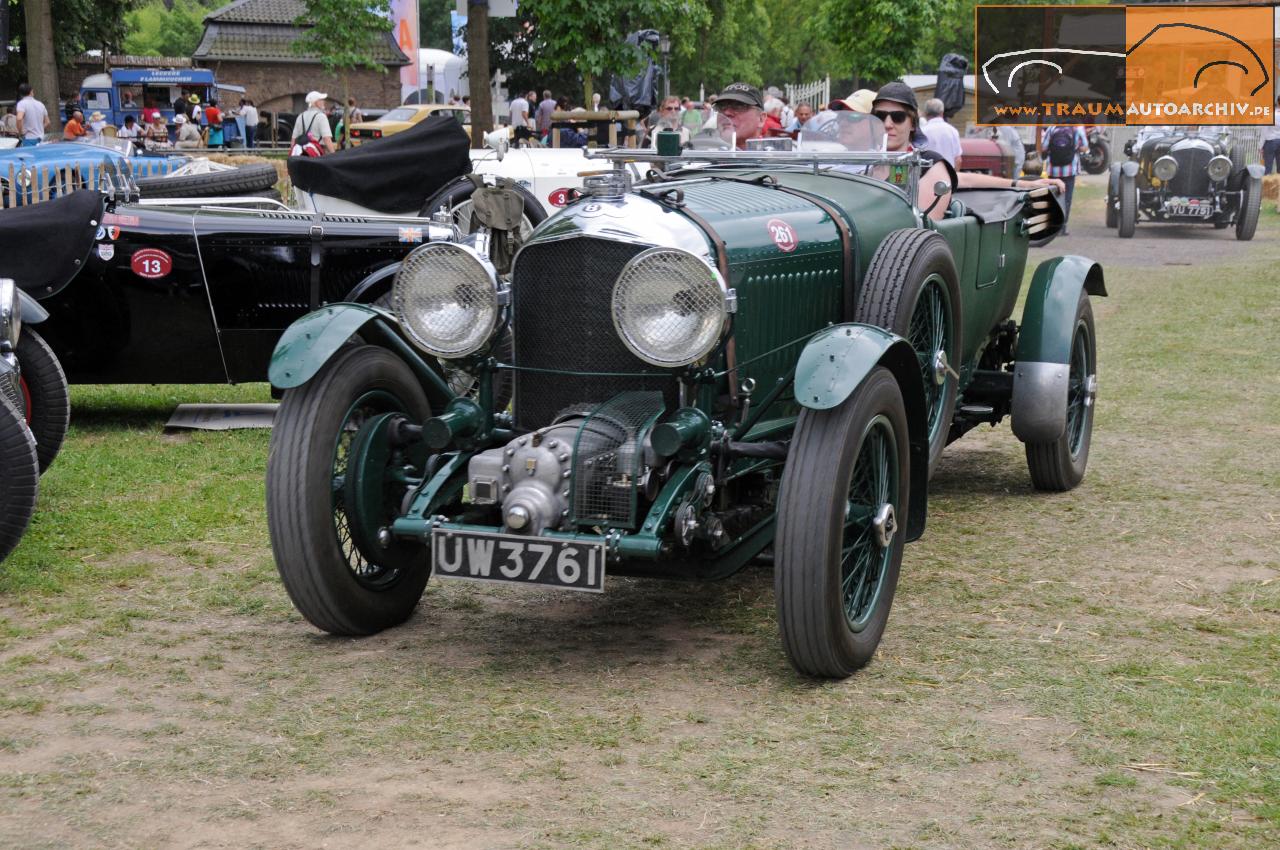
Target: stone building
x,y
250,43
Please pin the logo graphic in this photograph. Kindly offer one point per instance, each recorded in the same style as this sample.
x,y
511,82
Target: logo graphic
x,y
1125,65
106,251
782,234
411,234
151,263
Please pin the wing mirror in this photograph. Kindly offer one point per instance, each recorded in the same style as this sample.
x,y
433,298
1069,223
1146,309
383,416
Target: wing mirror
x,y
939,189
497,141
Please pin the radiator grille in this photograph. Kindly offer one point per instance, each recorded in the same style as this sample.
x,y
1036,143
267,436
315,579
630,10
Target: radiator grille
x,y
561,318
607,459
1192,177
10,389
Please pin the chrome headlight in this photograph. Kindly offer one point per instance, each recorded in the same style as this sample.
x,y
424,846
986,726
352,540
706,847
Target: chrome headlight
x,y
1219,167
446,297
669,307
10,314
1165,167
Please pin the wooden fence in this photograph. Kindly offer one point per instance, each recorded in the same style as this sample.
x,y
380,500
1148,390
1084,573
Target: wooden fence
x,y
23,184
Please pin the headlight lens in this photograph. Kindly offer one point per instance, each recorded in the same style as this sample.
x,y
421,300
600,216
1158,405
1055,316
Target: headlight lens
x,y
10,313
1219,168
669,307
447,299
1165,167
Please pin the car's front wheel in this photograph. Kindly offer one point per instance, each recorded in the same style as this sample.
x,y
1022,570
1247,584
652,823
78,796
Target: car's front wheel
x,y
841,514
1127,212
1250,207
330,582
19,477
1059,465
48,401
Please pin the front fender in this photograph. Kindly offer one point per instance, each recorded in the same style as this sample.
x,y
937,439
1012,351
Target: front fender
x,y
1129,168
838,359
308,343
33,313
1039,406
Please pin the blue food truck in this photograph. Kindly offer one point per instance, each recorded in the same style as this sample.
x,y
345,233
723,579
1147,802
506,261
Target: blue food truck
x,y
127,91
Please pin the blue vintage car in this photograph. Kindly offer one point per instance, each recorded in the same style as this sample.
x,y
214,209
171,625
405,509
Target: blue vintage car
x,y
29,174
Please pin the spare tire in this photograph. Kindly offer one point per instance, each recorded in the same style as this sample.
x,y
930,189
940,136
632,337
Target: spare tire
x,y
240,181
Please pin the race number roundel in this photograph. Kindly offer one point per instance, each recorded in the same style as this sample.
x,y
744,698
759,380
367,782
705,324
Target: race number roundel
x,y
782,234
151,263
558,198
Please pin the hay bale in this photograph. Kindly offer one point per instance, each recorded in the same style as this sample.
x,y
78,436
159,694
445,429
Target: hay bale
x,y
1271,187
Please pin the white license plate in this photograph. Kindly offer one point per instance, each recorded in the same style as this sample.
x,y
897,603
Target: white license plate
x,y
510,558
1199,210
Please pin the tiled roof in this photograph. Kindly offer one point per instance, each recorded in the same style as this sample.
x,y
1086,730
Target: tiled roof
x,y
271,42
258,12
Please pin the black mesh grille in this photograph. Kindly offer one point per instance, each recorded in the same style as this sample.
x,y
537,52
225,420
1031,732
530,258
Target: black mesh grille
x,y
561,305
1192,177
10,389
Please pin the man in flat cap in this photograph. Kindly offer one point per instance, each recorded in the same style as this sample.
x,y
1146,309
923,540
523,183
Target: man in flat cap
x,y
740,110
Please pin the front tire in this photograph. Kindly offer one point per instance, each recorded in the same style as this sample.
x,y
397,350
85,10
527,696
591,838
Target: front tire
x,y
912,289
48,399
1250,206
1128,212
329,581
20,479
1059,465
841,515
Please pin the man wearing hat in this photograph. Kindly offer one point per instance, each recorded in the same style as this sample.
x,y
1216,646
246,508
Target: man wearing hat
x,y
740,110
315,122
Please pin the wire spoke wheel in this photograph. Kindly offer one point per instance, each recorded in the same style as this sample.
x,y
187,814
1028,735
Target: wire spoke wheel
x,y
930,334
865,557
372,576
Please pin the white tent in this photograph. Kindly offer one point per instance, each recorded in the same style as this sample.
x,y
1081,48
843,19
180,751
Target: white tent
x,y
447,72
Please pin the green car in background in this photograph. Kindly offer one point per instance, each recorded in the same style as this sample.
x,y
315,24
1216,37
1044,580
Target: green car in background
x,y
756,356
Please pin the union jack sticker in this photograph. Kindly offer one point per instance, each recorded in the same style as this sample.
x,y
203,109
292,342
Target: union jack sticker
x,y
411,234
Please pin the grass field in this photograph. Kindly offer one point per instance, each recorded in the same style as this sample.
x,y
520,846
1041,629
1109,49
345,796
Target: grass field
x,y
1093,669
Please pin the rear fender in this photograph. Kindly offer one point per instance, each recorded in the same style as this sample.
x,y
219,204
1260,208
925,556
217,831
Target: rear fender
x,y
311,341
1039,406
32,311
836,361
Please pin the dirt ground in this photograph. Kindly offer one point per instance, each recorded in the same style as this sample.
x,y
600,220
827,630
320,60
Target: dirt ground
x,y
1060,671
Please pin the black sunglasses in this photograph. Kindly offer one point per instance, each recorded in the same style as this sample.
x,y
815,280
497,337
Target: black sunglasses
x,y
897,116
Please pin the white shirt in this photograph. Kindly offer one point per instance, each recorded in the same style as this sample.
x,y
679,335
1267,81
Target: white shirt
x,y
1273,133
127,133
943,139
312,121
519,112
33,115
249,113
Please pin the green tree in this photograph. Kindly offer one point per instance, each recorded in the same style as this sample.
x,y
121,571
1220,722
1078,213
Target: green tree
x,y
588,35
154,30
881,39
343,36
435,28
800,49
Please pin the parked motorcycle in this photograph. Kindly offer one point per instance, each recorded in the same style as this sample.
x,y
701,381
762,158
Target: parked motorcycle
x,y
1098,158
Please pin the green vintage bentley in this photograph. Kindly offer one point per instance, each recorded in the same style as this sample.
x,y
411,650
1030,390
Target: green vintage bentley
x,y
752,356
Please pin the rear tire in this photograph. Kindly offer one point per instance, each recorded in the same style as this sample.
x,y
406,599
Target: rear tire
x,y
48,399
243,180
1127,217
329,581
1059,465
20,480
1250,206
912,289
834,577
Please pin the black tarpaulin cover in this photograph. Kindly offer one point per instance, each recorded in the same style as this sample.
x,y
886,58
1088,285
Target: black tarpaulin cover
x,y
390,175
42,246
950,87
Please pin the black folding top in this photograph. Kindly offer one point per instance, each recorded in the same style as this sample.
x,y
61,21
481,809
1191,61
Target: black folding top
x,y
394,174
43,245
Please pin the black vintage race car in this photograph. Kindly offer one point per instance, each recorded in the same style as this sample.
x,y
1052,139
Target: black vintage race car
x,y
1184,175
199,290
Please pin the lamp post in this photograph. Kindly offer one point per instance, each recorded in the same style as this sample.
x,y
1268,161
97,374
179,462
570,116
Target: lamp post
x,y
664,47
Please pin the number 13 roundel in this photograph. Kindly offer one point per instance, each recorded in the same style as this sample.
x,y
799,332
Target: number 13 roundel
x,y
151,263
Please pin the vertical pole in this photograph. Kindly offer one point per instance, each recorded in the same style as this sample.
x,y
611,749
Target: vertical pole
x,y
478,70
42,65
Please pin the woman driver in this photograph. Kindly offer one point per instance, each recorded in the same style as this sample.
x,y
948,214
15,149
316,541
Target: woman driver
x,y
895,105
